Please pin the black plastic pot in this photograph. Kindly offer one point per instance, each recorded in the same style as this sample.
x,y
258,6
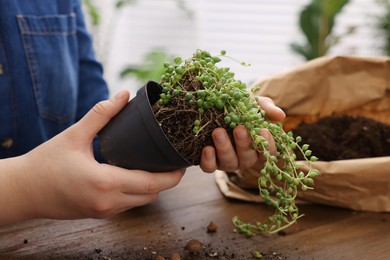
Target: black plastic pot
x,y
133,139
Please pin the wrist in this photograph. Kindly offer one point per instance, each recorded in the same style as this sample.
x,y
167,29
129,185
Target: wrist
x,y
15,200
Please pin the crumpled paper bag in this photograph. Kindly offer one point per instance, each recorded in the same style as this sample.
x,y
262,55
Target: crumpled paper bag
x,y
323,87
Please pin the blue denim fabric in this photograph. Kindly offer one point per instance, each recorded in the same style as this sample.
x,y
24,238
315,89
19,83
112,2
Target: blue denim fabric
x,y
49,76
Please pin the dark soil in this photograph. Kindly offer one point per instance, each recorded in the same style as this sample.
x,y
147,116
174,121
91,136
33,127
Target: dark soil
x,y
177,121
345,137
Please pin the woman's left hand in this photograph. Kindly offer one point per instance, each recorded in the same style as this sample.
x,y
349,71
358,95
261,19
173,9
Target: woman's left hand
x,y
227,157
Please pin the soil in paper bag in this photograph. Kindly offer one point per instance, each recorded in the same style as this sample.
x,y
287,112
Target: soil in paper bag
x,y
345,137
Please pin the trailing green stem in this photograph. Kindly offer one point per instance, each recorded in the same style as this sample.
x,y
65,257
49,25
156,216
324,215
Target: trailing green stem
x,y
215,88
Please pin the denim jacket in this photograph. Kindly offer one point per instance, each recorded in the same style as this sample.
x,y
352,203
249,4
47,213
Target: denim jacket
x,y
49,77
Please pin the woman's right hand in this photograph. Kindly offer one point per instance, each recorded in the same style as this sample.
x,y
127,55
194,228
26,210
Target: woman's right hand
x,y
60,179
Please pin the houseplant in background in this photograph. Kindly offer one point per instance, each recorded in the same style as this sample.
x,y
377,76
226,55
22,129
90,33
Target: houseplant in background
x,y
316,21
195,97
151,67
382,25
104,20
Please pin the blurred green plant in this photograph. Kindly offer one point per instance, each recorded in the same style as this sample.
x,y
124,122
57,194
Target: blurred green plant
x,y
383,26
316,22
94,12
151,68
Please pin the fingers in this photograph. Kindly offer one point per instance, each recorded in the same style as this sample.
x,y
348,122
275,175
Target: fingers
x,y
132,201
145,187
101,114
272,112
208,163
227,158
107,206
136,182
267,135
126,189
231,158
247,156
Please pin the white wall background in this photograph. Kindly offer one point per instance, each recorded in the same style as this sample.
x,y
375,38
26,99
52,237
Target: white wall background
x,y
255,31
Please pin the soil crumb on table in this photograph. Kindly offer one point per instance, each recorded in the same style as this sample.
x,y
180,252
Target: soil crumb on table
x,y
212,227
194,246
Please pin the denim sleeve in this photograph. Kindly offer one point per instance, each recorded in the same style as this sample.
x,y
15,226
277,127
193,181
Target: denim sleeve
x,y
92,86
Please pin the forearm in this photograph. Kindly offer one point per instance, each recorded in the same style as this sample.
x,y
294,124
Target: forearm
x,y
15,204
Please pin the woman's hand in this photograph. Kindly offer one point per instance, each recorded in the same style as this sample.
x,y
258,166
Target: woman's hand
x,y
226,157
60,179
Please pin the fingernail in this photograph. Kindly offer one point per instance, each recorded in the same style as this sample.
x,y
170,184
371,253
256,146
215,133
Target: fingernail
x,y
208,154
242,135
120,95
265,134
221,138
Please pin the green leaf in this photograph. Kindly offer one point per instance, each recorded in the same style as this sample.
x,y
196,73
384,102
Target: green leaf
x,y
92,11
316,22
121,3
309,24
151,68
302,50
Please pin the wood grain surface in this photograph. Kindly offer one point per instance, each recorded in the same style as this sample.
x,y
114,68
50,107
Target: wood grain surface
x,y
183,213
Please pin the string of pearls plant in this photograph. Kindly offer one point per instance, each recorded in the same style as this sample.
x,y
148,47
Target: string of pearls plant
x,y
281,177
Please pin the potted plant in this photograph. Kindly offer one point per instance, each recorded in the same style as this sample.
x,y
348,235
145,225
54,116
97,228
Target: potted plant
x,y
316,21
133,139
193,98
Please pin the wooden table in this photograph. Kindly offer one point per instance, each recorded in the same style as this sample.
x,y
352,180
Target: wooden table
x,y
182,214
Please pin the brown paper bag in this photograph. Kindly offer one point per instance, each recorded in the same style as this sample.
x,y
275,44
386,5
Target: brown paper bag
x,y
323,87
